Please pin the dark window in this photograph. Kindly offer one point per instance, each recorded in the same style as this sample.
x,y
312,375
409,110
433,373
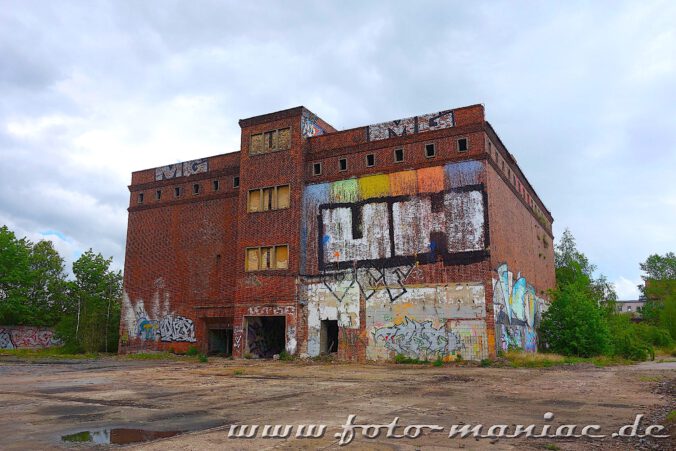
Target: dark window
x,y
235,182
342,164
177,191
462,145
196,188
398,155
430,151
140,198
216,185
158,194
370,160
317,169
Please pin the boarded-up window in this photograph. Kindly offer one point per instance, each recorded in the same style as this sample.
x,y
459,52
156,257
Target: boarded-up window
x,y
267,258
272,198
282,257
268,199
252,259
257,143
285,138
255,200
283,196
271,141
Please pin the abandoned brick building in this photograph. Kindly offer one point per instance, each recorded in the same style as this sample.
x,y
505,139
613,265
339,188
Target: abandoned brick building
x,y
419,236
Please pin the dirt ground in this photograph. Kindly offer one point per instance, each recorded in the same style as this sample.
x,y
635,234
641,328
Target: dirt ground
x,y
41,402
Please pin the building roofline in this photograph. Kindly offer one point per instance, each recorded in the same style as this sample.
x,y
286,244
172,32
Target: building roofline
x,y
491,131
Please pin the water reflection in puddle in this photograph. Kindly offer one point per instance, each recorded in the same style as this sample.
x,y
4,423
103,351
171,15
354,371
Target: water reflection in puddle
x,y
117,436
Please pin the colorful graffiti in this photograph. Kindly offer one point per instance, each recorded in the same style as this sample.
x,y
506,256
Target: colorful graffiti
x,y
27,337
517,310
158,326
418,339
395,219
182,169
409,125
309,125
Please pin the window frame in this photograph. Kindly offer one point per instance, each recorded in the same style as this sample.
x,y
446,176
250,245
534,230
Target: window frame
x,y
216,185
235,181
275,198
273,258
394,152
263,133
139,198
434,150
373,156
158,194
316,165
178,191
457,144
196,188
340,165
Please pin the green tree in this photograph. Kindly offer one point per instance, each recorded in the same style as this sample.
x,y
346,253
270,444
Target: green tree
x,y
14,278
574,325
93,313
659,291
47,285
658,267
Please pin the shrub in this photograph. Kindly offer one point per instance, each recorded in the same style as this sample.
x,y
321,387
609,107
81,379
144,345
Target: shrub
x,y
574,325
192,351
485,363
285,356
438,362
202,358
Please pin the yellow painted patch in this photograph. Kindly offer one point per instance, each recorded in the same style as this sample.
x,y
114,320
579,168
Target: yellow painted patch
x,y
374,186
403,183
431,180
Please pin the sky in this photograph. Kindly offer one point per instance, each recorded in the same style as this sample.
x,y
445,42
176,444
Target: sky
x,y
583,94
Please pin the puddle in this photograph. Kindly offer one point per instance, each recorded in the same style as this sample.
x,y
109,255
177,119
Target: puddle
x,y
117,436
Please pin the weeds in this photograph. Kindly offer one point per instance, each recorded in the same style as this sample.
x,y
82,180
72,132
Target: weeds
x,y
192,351
202,358
57,352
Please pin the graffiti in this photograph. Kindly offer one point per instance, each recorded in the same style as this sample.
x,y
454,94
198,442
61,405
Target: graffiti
x,y
237,333
407,126
414,339
386,220
272,310
517,310
309,126
182,169
27,337
252,281
177,328
6,340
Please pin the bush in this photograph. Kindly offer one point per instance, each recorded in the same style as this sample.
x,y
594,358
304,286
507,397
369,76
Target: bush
x,y
202,358
485,363
285,356
574,325
438,362
192,351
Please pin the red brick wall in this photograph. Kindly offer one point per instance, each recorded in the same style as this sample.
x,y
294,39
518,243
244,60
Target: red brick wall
x,y
517,237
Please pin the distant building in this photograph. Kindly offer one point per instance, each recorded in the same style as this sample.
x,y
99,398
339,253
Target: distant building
x,y
632,306
419,236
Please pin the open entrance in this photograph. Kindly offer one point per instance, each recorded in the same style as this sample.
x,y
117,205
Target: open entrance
x,y
265,335
329,336
220,342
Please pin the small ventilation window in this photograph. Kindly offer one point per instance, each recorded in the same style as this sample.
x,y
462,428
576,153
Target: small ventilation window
x,y
342,164
216,185
158,194
398,155
140,198
235,182
370,160
430,150
196,188
462,145
317,169
177,191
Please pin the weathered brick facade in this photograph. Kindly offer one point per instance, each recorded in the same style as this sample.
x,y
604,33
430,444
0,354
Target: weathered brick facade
x,y
419,236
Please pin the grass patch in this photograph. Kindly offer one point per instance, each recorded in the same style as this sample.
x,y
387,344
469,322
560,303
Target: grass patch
x,y
671,418
202,358
238,372
402,359
520,359
650,378
56,352
552,447
286,356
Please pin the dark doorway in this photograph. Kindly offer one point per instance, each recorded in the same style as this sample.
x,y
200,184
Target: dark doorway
x,y
220,342
265,335
329,336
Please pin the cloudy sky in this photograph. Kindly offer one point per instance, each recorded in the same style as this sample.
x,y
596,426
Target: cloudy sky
x,y
583,94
